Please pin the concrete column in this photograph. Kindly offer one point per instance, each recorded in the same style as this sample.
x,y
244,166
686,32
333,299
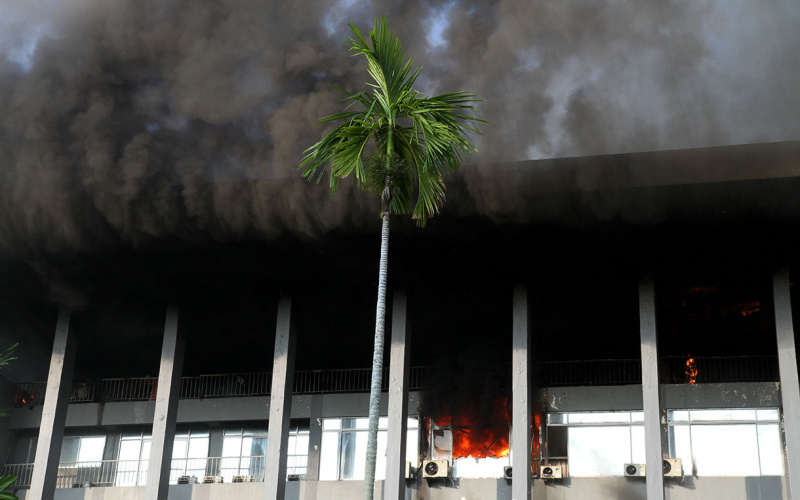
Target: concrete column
x,y
54,413
314,448
521,397
216,438
280,404
399,368
787,366
650,391
166,413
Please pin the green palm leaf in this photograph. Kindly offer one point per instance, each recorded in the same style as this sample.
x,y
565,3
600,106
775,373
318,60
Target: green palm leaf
x,y
436,141
5,482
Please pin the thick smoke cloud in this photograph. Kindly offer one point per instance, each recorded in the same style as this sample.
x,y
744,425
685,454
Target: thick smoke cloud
x,y
129,122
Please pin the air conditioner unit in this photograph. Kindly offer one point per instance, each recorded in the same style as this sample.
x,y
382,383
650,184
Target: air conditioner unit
x,y
507,472
212,479
551,472
241,479
411,472
672,467
187,480
434,468
634,470
295,477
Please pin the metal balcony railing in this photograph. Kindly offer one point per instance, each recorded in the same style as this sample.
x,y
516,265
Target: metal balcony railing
x,y
673,369
214,386
134,472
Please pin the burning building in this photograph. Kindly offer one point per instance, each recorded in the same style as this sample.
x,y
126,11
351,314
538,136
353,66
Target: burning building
x,y
605,314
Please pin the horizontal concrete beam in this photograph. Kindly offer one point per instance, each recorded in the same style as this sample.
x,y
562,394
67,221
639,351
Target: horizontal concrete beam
x,y
203,410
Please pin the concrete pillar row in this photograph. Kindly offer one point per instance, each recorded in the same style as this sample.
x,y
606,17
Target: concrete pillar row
x,y
166,411
399,368
653,430
521,397
54,413
280,403
787,367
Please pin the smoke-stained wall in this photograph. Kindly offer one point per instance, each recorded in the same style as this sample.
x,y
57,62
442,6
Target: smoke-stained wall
x,y
128,122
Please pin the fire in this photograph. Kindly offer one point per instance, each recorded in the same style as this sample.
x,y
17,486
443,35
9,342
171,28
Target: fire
x,y
691,370
478,432
748,308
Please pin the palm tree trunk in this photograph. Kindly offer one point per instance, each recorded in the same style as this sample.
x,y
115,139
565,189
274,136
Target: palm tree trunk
x,y
377,355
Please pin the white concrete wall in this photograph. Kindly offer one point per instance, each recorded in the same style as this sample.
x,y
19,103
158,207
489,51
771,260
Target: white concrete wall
x,y
582,488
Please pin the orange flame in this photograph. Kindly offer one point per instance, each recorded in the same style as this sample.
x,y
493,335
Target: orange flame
x,y
691,371
479,435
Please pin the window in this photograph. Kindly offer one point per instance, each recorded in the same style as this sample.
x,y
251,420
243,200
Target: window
x,y
86,450
596,443
741,442
134,453
189,455
344,447
736,442
243,451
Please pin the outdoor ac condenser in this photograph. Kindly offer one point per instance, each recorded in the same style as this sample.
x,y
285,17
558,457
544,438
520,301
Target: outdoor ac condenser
x,y
187,480
507,472
634,470
434,468
551,472
241,479
673,467
212,479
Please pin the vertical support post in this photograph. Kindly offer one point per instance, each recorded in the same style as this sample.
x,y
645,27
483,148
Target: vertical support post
x,y
395,484
216,438
521,397
166,412
314,448
280,403
54,413
787,366
654,454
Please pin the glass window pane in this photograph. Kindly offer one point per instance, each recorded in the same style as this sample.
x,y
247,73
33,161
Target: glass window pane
x,y
599,418
725,450
556,418
329,457
380,459
412,446
129,450
383,422
682,446
637,444
722,415
637,416
91,449
231,446
598,451
145,449
301,445
233,431
179,448
198,447
69,449
331,424
258,447
770,450
557,441
362,423
678,415
767,415
412,423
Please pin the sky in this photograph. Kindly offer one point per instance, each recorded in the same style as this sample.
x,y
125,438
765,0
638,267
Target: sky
x,y
132,121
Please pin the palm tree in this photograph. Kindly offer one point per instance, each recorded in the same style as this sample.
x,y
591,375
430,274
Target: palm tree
x,y
397,143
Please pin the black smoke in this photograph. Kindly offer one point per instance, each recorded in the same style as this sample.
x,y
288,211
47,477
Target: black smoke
x,y
132,122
